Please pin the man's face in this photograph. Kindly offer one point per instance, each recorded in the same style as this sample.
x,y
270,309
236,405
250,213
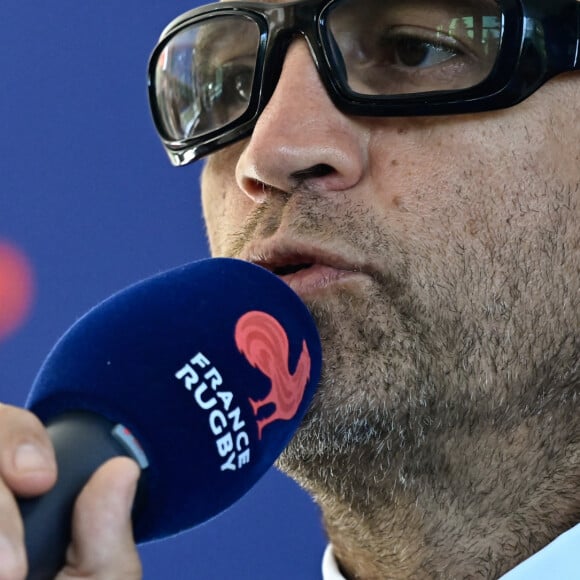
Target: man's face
x,y
446,283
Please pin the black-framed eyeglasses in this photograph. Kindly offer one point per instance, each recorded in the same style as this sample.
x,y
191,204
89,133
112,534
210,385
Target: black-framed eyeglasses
x,y
215,67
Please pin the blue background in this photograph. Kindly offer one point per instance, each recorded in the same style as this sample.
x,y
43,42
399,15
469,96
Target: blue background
x,y
87,193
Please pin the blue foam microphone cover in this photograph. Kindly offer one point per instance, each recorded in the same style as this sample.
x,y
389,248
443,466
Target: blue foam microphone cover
x,y
207,369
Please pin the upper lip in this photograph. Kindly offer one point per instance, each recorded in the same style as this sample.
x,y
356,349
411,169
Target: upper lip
x,y
285,256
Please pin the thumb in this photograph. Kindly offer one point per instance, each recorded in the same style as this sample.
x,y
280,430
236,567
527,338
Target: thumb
x,y
102,545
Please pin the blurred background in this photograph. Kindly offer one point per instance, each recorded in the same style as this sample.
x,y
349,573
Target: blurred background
x,y
90,204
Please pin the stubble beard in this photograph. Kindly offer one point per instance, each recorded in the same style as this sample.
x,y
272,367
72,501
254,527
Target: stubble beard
x,y
445,383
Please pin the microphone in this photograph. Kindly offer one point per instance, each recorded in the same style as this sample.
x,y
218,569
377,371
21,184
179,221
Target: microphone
x,y
202,374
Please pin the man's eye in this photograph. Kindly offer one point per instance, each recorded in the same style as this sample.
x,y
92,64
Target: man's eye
x,y
415,52
227,89
237,81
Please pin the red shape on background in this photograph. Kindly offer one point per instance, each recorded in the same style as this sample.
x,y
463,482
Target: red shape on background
x,y
16,288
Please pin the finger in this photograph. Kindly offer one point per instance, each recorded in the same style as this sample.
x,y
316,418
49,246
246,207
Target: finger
x,y
102,546
27,463
12,556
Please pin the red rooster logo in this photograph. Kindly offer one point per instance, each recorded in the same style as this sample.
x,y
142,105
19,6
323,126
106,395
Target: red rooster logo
x,y
264,343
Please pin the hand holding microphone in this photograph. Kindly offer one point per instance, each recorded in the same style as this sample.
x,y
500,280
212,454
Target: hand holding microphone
x,y
201,374
102,545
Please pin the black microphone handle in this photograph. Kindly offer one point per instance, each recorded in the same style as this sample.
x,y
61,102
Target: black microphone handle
x,y
82,442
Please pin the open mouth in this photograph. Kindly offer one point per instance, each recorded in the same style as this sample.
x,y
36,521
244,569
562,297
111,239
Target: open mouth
x,y
288,269
307,270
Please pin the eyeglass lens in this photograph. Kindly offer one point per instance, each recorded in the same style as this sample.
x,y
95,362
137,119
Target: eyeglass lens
x,y
204,76
205,73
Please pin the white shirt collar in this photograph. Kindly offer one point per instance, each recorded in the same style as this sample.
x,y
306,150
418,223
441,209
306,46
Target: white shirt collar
x,y
560,559
330,569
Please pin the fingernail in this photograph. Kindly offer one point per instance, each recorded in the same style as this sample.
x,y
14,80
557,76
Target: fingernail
x,y
28,457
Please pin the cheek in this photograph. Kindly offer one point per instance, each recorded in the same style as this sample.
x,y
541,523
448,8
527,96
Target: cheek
x,y
214,195
475,194
437,170
225,206
418,166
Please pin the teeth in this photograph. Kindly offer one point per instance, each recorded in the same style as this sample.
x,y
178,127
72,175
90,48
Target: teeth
x,y
290,269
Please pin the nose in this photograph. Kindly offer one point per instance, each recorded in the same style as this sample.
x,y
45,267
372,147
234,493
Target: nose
x,y
301,139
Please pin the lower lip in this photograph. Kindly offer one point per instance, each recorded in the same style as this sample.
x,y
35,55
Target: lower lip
x,y
316,278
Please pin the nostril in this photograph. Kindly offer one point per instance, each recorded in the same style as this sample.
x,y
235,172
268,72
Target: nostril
x,y
258,190
319,170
